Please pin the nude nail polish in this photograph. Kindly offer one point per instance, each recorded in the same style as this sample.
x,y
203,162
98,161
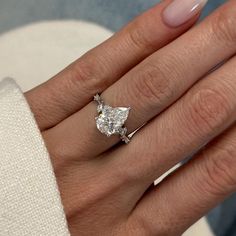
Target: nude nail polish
x,y
180,11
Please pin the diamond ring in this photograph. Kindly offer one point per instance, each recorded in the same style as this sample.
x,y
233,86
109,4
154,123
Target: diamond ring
x,y
111,120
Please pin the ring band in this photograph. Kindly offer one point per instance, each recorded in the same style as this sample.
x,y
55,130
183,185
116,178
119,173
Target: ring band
x,y
111,120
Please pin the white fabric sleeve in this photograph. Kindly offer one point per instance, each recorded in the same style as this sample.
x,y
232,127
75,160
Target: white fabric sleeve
x,y
30,202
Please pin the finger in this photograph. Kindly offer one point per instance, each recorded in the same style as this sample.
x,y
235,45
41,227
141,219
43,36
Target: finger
x,y
71,89
200,115
192,190
152,85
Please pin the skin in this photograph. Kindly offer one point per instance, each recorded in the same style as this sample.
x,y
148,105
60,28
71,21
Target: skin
x,y
166,76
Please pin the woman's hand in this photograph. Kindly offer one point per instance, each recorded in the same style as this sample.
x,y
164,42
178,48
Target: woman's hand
x,y
107,189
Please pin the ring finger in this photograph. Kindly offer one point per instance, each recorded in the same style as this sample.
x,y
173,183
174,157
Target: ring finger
x,y
152,85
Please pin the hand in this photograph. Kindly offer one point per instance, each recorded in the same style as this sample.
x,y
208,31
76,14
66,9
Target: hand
x,y
107,189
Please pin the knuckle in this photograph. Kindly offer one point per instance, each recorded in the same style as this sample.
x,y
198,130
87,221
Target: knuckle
x,y
89,74
223,25
138,37
208,109
220,175
153,85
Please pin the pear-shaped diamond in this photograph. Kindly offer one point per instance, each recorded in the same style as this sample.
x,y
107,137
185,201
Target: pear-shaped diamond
x,y
111,120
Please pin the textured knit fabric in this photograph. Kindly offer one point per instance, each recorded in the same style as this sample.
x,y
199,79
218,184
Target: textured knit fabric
x,y
29,200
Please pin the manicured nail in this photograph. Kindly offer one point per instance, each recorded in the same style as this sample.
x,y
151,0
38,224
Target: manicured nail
x,y
180,11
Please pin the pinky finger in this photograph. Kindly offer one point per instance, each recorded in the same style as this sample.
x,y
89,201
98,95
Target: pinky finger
x,y
190,192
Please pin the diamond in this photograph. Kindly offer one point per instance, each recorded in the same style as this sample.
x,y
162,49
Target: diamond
x,y
99,108
111,120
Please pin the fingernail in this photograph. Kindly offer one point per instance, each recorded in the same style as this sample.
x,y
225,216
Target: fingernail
x,y
180,11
